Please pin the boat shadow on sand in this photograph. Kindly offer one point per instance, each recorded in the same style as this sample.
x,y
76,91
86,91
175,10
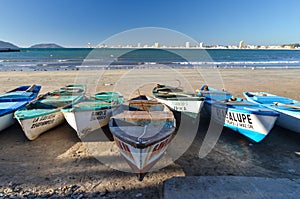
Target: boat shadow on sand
x,y
57,158
233,154
25,161
278,155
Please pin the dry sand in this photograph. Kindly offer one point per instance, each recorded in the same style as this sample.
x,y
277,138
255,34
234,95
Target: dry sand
x,y
58,164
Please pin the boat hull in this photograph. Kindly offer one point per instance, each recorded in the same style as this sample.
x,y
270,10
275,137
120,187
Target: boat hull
x,y
6,121
141,160
288,121
288,118
13,100
253,123
190,108
85,122
142,131
45,113
33,127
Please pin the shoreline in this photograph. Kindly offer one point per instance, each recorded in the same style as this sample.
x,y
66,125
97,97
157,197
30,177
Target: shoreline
x,y
233,80
172,48
154,66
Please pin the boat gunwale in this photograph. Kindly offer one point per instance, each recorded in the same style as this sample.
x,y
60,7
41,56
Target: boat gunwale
x,y
257,109
142,144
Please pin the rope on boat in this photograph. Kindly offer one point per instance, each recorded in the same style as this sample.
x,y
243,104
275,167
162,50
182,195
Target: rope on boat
x,y
286,105
140,137
31,88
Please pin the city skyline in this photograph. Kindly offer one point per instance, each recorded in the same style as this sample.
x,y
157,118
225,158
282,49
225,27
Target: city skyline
x,y
200,45
77,23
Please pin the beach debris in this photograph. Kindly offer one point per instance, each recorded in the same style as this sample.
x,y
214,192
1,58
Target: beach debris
x,y
138,195
297,153
109,84
104,193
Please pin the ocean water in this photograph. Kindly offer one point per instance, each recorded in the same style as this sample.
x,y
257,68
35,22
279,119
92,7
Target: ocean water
x,y
107,58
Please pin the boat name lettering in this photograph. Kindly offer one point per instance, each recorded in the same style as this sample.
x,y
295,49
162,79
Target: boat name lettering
x,y
42,123
161,145
42,118
180,108
98,115
237,119
122,145
179,103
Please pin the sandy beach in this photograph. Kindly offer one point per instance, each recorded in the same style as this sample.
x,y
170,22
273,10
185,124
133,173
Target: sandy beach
x,y
58,164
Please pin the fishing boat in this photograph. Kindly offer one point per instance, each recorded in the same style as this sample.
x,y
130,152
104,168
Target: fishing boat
x,y
288,109
92,113
249,119
213,94
45,113
14,100
178,100
142,130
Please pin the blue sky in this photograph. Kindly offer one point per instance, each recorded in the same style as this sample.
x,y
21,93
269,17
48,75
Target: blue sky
x,y
74,23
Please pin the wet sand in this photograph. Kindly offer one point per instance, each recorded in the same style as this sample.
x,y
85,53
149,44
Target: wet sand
x,y
59,164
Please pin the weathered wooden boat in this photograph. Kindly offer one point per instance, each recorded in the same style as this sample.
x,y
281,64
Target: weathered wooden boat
x,y
45,113
178,100
92,113
288,109
251,120
14,100
142,130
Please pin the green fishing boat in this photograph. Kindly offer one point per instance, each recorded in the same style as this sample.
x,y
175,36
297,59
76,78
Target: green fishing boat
x,y
45,113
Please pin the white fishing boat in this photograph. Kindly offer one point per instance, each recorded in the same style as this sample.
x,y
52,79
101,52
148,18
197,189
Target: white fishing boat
x,y
92,113
178,100
142,130
45,113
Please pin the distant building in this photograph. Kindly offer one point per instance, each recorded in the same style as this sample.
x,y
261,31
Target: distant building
x,y
187,44
139,45
156,45
242,44
201,45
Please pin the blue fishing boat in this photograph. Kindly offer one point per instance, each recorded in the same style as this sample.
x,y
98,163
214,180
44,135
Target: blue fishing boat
x,y
288,108
14,100
249,119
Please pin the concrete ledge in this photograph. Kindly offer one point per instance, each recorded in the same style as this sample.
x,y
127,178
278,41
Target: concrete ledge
x,y
230,187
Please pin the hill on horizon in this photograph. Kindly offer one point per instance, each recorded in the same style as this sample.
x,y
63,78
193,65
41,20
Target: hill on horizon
x,y
4,44
50,45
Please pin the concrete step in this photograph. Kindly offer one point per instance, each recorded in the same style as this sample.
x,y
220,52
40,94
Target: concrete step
x,y
230,187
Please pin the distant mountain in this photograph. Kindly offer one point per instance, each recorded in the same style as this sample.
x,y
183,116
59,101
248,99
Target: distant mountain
x,y
46,46
4,44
